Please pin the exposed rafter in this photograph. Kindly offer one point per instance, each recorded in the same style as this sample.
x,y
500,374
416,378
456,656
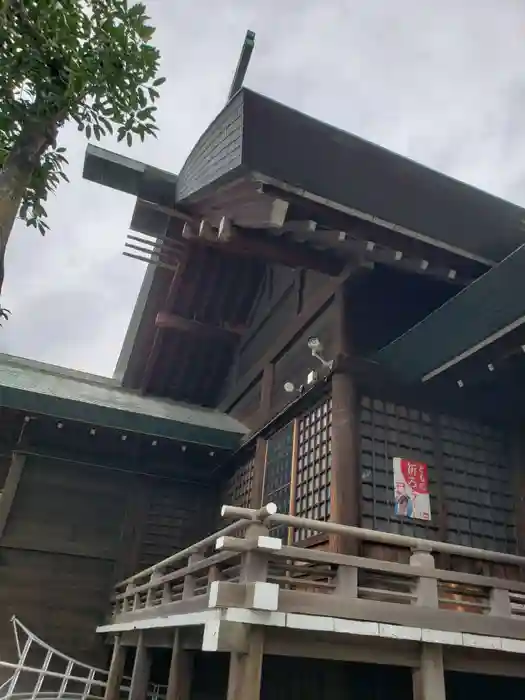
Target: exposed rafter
x,y
257,243
371,231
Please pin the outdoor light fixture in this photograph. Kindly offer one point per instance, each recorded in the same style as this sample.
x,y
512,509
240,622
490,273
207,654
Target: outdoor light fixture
x,y
316,347
290,388
490,367
312,377
460,383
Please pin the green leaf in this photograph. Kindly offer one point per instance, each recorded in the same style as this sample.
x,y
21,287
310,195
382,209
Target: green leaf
x,y
89,61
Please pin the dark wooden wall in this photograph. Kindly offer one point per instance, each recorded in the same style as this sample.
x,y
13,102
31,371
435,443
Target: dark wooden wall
x,y
74,530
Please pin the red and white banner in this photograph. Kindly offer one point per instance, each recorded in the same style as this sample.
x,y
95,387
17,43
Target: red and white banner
x,y
411,489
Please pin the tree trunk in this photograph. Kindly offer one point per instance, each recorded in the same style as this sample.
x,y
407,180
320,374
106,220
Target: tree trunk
x,y
16,176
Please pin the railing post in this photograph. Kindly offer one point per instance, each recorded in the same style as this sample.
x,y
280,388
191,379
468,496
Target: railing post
x,y
346,581
254,566
150,596
188,589
128,605
500,602
426,587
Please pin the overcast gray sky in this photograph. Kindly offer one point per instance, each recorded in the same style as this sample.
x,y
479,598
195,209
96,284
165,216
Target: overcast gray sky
x,y
440,81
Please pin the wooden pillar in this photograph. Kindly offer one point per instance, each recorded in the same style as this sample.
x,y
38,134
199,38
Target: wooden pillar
x,y
346,467
141,669
429,678
181,669
8,493
245,674
116,670
261,444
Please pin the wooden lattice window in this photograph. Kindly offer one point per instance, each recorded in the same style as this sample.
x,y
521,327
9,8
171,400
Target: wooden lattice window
x,y
238,489
314,466
278,473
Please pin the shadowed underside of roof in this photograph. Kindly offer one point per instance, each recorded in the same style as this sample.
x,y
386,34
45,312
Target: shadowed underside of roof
x,y
489,308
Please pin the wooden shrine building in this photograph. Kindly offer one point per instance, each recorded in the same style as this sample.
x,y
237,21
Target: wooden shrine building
x,y
354,310
346,331
96,482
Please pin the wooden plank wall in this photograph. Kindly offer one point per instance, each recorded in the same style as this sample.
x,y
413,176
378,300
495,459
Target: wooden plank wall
x,y
72,531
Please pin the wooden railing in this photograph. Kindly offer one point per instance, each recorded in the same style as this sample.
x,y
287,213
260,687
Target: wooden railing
x,y
236,562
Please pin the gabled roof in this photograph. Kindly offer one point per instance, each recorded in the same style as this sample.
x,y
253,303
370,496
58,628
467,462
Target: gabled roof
x,y
39,388
256,135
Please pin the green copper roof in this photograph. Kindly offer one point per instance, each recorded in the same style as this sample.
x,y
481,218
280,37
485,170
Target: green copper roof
x,y
39,388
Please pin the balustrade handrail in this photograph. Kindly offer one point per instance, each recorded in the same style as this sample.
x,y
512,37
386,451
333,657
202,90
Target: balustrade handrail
x,y
254,515
269,515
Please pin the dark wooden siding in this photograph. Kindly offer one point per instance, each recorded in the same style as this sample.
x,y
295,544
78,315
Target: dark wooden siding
x,y
284,295
74,529
177,514
59,551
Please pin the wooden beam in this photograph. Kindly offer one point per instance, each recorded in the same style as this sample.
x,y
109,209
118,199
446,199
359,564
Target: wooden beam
x,y
187,325
256,243
7,495
154,351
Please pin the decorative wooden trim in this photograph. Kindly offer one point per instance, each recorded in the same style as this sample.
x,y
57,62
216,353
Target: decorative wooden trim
x,y
293,476
10,488
259,468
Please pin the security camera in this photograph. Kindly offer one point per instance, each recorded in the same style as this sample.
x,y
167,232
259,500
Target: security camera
x,y
315,344
316,348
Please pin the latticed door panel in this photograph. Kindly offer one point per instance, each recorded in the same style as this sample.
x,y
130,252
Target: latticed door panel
x,y
278,473
389,430
477,486
314,465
